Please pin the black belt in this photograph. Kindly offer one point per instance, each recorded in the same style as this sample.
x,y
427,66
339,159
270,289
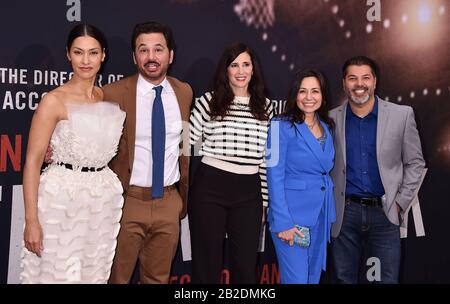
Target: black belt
x,y
365,201
83,169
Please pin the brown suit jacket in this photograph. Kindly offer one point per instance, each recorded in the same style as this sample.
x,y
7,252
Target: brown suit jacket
x,y
124,93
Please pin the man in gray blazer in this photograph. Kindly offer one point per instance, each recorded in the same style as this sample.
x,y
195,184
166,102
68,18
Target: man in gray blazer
x,y
378,165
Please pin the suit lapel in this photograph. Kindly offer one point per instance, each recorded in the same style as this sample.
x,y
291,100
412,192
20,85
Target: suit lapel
x,y
130,109
340,130
181,99
184,111
382,118
328,151
312,143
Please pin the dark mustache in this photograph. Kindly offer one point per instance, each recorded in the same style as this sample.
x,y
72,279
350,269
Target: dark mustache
x,y
151,61
360,88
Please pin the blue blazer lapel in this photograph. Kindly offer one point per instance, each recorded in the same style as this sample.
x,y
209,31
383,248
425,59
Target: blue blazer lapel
x,y
314,144
328,152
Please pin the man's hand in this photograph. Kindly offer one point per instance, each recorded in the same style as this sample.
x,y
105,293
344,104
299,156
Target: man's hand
x,y
48,155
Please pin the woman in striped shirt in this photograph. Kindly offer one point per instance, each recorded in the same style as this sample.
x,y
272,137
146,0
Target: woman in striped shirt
x,y
229,188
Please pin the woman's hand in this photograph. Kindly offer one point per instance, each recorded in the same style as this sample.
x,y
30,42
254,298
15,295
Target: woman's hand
x,y
33,237
288,235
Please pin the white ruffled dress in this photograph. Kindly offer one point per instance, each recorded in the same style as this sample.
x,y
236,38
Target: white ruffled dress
x,y
79,211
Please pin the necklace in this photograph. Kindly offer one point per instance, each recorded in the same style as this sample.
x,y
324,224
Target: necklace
x,y
240,105
311,126
241,102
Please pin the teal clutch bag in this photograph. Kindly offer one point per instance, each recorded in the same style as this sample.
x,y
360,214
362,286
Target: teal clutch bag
x,y
305,240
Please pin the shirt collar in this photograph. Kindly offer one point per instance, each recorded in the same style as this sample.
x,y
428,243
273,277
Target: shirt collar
x,y
144,87
373,113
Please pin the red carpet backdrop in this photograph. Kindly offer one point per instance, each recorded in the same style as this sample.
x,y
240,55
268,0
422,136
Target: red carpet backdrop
x,y
409,39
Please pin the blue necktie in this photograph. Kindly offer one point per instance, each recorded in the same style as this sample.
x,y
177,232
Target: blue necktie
x,y
158,144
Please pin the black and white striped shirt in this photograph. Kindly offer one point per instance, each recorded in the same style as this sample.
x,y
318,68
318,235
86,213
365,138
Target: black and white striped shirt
x,y
236,143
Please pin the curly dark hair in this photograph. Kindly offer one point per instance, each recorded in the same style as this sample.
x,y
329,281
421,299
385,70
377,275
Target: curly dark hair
x,y
292,112
223,94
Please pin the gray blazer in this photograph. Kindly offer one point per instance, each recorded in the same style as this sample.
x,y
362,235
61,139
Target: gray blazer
x,y
399,157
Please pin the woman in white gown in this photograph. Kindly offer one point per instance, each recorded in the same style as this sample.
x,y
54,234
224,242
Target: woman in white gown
x,y
73,209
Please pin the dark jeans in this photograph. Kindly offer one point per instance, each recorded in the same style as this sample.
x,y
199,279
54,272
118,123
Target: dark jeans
x,y
366,229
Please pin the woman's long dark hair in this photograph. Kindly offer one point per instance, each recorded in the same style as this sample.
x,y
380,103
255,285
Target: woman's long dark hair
x,y
292,112
223,93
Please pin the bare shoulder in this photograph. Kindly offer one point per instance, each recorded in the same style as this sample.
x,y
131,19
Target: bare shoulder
x,y
51,100
51,106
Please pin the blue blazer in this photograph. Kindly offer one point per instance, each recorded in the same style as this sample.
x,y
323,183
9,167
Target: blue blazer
x,y
298,176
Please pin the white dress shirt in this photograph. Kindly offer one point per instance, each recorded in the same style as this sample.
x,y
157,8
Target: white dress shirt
x,y
141,174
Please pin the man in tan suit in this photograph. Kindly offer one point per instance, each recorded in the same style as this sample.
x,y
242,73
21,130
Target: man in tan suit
x,y
154,204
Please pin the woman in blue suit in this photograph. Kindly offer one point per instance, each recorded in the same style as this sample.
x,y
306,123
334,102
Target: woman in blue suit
x,y
300,156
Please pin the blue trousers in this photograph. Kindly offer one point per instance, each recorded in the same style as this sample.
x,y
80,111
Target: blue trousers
x,y
366,229
300,265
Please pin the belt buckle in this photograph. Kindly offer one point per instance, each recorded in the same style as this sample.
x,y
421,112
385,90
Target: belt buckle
x,y
366,201
369,201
